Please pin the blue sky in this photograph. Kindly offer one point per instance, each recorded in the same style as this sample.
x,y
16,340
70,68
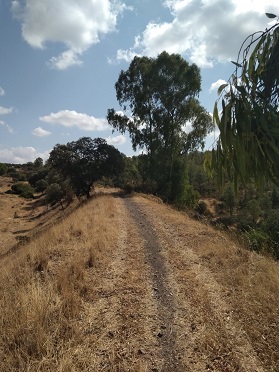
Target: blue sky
x,y
60,60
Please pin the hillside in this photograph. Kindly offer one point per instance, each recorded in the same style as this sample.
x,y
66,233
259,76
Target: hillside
x,y
129,284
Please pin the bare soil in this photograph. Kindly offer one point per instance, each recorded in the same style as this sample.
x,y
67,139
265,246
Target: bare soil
x,y
174,295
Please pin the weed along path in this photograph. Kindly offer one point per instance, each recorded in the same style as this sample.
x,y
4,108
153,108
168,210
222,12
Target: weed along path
x,y
128,284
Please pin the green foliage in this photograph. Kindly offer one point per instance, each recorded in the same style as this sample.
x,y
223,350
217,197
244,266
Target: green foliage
x,y
188,198
271,225
23,189
3,169
229,198
160,94
81,163
38,163
257,239
54,194
41,185
265,204
275,197
40,174
254,209
248,145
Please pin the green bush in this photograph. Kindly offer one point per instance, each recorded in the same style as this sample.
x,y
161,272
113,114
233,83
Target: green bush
x,y
128,189
257,239
3,169
23,189
54,194
41,185
271,227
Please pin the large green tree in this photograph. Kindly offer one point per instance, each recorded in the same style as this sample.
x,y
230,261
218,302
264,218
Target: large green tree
x,y
247,113
158,98
85,161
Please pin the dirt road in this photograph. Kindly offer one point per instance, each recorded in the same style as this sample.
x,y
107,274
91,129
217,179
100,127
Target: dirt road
x,y
160,293
160,307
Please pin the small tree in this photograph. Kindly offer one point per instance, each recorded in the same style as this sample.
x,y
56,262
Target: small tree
x,y
3,169
229,198
41,185
54,194
38,163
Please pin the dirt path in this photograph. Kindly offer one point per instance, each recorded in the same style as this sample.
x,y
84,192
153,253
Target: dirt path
x,y
159,308
164,293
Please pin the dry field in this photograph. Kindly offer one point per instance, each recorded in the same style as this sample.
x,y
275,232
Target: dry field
x,y
129,284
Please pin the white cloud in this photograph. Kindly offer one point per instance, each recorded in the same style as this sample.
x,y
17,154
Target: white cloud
x,y
40,132
64,60
69,118
116,141
21,155
5,111
215,86
206,31
9,128
2,92
76,24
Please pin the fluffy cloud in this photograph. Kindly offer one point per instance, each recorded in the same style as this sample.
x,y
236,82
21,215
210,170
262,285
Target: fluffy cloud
x,y
76,24
75,119
21,155
206,31
2,92
40,132
116,141
5,111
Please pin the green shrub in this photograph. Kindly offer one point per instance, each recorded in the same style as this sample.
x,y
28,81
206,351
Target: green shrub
x,y
3,169
257,239
271,227
23,189
41,185
128,189
54,194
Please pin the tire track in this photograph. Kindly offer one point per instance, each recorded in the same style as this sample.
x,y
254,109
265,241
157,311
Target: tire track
x,y
201,305
164,297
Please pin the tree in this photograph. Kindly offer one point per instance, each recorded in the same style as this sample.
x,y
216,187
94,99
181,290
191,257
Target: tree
x,y
85,161
54,194
159,97
38,163
248,145
3,169
229,198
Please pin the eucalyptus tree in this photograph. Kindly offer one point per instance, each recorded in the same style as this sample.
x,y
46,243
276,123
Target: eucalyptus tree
x,y
248,120
158,98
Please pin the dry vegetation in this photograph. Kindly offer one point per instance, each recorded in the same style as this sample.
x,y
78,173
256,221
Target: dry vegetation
x,y
85,296
44,287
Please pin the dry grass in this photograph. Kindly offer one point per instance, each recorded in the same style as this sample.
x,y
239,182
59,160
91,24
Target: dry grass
x,y
44,288
79,298
231,294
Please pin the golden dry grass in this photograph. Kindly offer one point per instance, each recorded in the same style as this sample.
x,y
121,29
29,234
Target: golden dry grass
x,y
80,297
43,289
